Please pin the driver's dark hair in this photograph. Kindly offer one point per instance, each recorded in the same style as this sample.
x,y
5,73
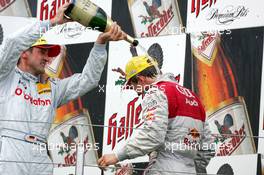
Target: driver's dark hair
x,y
150,72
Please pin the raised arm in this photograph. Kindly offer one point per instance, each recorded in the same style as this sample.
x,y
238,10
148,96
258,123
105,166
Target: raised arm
x,y
20,41
78,84
16,43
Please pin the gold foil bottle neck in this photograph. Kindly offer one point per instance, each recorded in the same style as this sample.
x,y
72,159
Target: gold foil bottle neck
x,y
109,22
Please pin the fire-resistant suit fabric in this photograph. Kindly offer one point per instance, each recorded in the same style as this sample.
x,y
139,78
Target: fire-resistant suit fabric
x,y
174,127
27,107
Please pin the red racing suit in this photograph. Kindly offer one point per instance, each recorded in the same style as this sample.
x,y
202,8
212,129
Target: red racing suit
x,y
174,128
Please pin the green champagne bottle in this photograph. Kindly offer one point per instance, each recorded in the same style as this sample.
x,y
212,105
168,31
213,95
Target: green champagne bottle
x,y
90,15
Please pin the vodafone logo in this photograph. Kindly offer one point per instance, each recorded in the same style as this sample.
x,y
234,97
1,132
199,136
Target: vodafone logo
x,y
35,102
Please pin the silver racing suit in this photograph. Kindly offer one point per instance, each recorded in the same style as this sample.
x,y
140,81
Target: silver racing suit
x,y
27,107
175,133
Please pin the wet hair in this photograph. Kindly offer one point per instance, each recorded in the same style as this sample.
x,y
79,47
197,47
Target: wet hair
x,y
30,49
150,72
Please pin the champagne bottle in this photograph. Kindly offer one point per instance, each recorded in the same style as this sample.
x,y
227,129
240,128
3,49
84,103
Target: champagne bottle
x,y
215,83
90,15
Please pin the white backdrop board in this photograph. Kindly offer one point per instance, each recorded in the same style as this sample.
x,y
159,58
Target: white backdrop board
x,y
70,33
122,107
212,15
238,164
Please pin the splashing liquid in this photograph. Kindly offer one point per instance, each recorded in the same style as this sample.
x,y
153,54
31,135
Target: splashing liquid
x,y
144,50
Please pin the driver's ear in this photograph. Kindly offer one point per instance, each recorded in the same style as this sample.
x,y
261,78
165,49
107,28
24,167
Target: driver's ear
x,y
23,56
25,53
140,79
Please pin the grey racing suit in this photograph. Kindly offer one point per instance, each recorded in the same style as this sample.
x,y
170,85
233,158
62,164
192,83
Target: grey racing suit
x,y
174,128
27,107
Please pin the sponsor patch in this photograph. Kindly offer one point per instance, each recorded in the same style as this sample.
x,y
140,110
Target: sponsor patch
x,y
150,116
152,103
32,100
43,88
